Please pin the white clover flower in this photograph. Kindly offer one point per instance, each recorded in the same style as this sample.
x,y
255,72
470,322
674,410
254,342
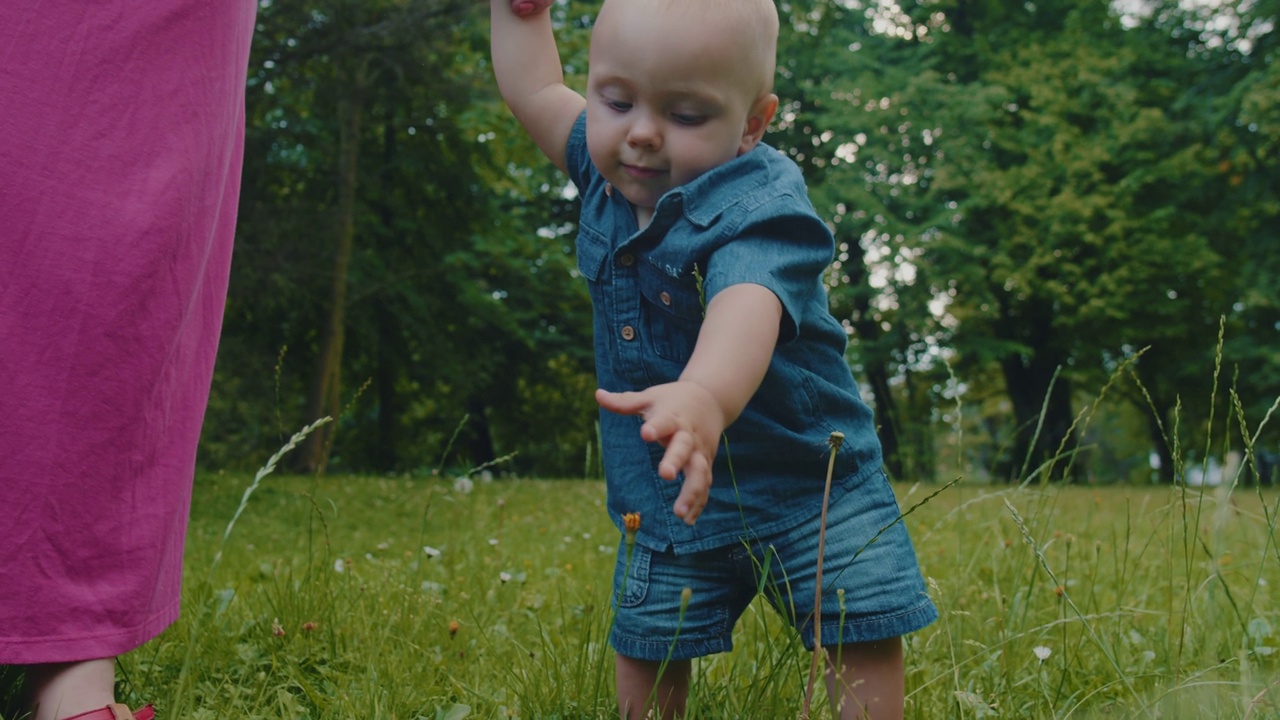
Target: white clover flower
x,y
1042,652
493,542
430,551
463,485
505,577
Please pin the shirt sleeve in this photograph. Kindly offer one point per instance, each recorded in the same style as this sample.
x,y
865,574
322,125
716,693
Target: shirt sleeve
x,y
785,252
576,157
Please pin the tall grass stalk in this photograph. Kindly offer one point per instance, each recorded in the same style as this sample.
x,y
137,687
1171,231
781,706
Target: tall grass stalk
x,y
183,688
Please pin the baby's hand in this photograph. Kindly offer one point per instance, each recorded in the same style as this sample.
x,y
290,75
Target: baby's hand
x,y
525,8
684,418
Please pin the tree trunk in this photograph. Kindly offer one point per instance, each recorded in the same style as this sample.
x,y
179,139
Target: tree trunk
x,y
1041,397
386,457
1043,424
326,396
877,370
479,439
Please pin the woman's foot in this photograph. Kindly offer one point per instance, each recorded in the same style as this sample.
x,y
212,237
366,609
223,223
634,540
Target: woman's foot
x,y
58,691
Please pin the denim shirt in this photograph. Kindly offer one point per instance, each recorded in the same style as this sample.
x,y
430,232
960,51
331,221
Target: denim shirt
x,y
747,221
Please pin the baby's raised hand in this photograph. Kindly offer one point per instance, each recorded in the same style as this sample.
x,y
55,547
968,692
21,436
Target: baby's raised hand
x,y
525,8
684,418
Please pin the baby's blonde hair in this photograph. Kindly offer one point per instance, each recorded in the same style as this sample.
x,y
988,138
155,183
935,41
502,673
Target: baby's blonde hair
x,y
754,21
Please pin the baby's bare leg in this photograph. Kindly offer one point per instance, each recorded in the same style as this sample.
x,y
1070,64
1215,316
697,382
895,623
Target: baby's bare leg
x,y
639,686
866,680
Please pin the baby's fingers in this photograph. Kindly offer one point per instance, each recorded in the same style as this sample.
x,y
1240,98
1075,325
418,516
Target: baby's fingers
x,y
695,491
680,451
623,403
524,8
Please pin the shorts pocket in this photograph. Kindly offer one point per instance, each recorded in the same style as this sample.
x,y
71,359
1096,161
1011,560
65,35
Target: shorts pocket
x,y
631,579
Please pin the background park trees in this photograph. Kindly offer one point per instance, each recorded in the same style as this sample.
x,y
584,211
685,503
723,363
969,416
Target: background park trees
x,y
1032,203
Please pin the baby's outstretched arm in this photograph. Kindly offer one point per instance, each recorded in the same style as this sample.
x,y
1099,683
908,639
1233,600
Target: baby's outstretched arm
x,y
688,416
527,67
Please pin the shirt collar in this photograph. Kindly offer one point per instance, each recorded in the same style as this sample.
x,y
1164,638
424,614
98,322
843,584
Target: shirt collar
x,y
718,189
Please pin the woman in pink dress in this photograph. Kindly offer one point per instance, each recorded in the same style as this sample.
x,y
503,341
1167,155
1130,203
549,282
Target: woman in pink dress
x,y
121,138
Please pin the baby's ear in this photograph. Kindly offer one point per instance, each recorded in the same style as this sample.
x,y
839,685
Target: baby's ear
x,y
758,121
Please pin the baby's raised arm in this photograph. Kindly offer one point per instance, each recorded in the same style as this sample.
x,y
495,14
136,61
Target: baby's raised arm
x,y
527,66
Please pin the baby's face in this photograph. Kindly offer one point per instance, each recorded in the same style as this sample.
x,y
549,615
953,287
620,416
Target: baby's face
x,y
667,100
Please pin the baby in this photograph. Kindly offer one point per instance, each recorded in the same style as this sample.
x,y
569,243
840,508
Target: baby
x,y
716,353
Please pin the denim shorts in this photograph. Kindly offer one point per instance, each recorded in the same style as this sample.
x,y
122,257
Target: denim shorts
x,y
867,555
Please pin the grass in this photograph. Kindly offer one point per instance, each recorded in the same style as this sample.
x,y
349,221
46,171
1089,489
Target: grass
x,y
324,604
322,598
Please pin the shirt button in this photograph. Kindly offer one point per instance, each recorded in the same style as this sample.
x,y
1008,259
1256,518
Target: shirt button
x,y
665,297
628,333
627,260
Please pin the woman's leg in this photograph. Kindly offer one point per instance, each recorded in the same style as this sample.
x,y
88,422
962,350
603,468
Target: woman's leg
x,y
61,690
639,686
866,681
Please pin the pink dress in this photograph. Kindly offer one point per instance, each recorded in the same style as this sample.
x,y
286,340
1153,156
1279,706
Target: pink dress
x,y
121,139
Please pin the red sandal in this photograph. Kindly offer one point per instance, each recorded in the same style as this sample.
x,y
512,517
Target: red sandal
x,y
116,711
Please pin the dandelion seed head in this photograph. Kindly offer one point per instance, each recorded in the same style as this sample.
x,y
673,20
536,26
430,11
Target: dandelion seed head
x,y
339,565
430,551
505,577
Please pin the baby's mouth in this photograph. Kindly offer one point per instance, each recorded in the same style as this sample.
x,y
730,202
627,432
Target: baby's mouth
x,y
641,173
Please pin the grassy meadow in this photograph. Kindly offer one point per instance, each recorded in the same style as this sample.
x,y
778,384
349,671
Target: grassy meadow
x,y
368,597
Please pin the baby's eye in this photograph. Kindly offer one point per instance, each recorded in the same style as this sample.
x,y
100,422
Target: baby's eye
x,y
688,118
618,105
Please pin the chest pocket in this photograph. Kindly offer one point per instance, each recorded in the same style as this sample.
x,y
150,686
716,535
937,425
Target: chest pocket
x,y
671,309
592,250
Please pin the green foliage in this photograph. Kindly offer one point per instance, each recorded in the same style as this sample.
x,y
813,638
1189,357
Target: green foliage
x,y
462,293
1023,196
1032,194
